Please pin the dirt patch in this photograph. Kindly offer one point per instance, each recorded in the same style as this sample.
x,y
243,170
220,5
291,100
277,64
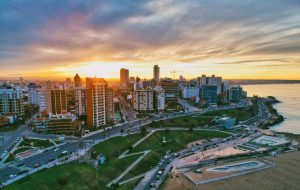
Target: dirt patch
x,y
284,176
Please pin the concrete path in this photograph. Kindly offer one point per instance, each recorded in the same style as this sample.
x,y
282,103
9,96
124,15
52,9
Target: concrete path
x,y
132,179
116,180
144,138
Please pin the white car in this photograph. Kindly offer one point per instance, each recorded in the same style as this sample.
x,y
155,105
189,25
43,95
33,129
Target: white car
x,y
57,149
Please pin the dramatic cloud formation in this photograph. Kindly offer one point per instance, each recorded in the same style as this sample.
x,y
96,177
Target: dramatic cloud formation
x,y
236,39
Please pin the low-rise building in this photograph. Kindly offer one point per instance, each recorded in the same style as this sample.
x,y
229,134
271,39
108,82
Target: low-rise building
x,y
190,91
63,124
57,124
226,122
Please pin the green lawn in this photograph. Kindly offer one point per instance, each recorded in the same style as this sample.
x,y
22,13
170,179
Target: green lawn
x,y
184,121
73,176
81,176
239,113
22,149
36,143
177,141
77,176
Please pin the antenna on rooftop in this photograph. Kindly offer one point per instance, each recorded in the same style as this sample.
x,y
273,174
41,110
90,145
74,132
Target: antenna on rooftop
x,y
174,74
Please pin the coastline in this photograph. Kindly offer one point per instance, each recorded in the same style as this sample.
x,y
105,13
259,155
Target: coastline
x,y
275,117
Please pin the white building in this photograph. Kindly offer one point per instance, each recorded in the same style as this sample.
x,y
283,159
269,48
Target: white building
x,y
37,96
143,100
80,100
33,91
159,98
190,91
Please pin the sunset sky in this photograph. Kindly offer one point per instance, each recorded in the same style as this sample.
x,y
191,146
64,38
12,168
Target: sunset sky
x,y
241,39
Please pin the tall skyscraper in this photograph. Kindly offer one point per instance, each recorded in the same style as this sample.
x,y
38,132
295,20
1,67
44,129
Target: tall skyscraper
x,y
124,77
77,80
156,73
99,100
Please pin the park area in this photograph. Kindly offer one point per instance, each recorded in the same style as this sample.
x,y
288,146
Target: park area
x,y
240,114
84,176
184,121
29,146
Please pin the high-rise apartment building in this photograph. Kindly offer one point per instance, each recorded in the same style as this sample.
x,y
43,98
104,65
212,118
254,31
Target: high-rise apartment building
x,y
80,101
37,96
142,100
59,101
109,105
156,73
99,100
124,77
11,102
33,93
159,98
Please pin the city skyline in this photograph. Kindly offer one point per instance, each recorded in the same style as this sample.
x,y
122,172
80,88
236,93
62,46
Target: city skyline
x,y
244,40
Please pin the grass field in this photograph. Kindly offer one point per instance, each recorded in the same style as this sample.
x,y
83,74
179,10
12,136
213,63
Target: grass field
x,y
239,113
36,143
284,176
77,176
82,176
185,121
22,149
177,141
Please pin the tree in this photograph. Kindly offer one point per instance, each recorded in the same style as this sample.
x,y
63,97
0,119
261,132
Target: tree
x,y
122,131
143,130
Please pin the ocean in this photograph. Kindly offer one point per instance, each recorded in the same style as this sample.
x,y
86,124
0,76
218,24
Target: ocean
x,y
289,106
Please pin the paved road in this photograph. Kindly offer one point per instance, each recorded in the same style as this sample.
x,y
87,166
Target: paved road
x,y
12,136
130,114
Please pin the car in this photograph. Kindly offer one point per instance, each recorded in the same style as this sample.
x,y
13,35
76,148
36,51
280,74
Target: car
x,y
152,185
50,160
12,176
36,165
55,150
